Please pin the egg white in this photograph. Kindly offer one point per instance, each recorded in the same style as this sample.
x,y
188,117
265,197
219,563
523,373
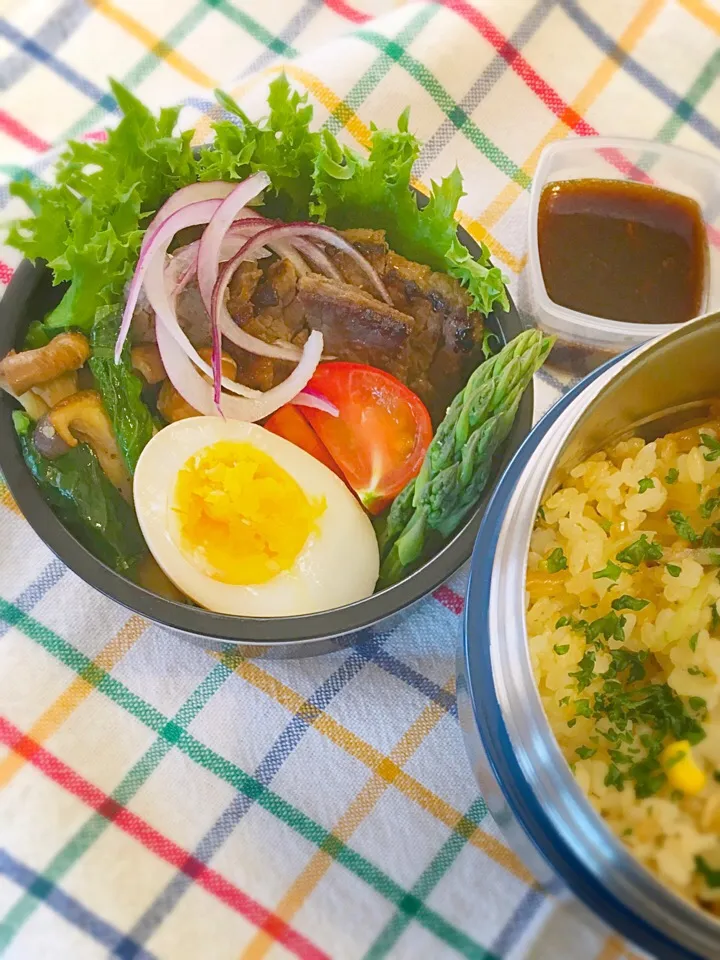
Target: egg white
x,y
338,564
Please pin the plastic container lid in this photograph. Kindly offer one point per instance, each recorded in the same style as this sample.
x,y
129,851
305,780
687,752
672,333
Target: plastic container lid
x,y
622,158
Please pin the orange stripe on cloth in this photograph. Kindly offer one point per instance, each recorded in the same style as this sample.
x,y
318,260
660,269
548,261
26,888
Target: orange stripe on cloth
x,y
582,102
153,43
70,699
380,764
386,772
703,12
7,500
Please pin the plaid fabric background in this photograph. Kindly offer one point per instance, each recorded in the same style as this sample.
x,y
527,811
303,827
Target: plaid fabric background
x,y
159,801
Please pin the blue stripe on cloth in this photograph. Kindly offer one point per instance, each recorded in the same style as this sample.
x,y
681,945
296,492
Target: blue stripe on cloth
x,y
48,59
33,594
400,670
480,88
223,827
635,69
518,922
51,36
289,33
64,905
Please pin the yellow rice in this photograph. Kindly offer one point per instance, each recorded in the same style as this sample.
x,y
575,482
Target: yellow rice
x,y
597,512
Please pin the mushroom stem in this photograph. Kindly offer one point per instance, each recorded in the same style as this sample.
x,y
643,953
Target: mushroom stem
x,y
67,351
83,417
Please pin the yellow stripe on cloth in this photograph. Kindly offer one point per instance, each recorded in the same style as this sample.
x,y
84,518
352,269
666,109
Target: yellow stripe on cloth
x,y
582,102
70,699
387,771
8,501
702,12
153,43
373,758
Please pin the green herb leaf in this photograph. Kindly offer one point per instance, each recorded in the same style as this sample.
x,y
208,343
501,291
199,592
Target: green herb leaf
x,y
562,622
626,602
585,752
712,445
611,571
711,877
614,778
710,505
561,648
646,484
556,561
682,525
582,708
697,703
672,475
696,672
541,514
694,642
673,569
639,551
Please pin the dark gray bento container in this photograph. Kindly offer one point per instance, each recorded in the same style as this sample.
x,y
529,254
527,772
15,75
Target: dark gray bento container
x,y
29,297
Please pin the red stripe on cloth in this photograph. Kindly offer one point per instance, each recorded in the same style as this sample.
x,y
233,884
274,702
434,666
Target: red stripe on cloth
x,y
13,128
345,10
550,97
6,273
95,135
133,825
448,598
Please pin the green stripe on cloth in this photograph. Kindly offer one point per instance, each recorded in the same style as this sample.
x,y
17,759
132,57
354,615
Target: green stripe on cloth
x,y
96,825
374,74
427,882
429,82
700,86
211,761
147,65
252,27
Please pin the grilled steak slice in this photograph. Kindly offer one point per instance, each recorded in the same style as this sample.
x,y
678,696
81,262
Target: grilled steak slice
x,y
371,244
241,288
446,335
356,326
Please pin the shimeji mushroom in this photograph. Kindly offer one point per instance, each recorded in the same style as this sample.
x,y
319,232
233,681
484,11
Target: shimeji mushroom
x,y
82,417
24,370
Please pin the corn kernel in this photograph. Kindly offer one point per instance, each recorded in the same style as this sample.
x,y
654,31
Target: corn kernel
x,y
682,771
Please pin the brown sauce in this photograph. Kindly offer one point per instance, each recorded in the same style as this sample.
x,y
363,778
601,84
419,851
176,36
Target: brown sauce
x,y
622,250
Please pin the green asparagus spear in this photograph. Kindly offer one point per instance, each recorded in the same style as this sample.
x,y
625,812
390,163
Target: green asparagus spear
x,y
459,459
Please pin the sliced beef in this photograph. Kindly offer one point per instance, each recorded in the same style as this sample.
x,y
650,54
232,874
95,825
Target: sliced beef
x,y
356,326
241,289
446,335
372,245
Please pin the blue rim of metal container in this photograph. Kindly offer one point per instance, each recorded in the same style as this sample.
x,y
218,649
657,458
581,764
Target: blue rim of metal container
x,y
489,723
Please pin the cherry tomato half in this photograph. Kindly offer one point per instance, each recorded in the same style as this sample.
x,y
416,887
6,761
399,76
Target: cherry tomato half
x,y
381,435
289,423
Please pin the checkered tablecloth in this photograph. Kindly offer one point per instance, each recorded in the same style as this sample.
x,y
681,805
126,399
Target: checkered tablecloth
x,y
160,801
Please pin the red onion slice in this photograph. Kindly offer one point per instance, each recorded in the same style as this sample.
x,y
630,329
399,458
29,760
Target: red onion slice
x,y
219,224
189,216
315,401
162,302
209,255
317,231
316,256
199,393
193,193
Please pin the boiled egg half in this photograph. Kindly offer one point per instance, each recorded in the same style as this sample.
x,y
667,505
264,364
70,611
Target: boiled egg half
x,y
246,523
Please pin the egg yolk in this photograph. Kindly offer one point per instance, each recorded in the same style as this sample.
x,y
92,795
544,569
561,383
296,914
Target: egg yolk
x,y
239,516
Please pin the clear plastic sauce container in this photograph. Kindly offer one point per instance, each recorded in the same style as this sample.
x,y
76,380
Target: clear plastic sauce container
x,y
671,168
